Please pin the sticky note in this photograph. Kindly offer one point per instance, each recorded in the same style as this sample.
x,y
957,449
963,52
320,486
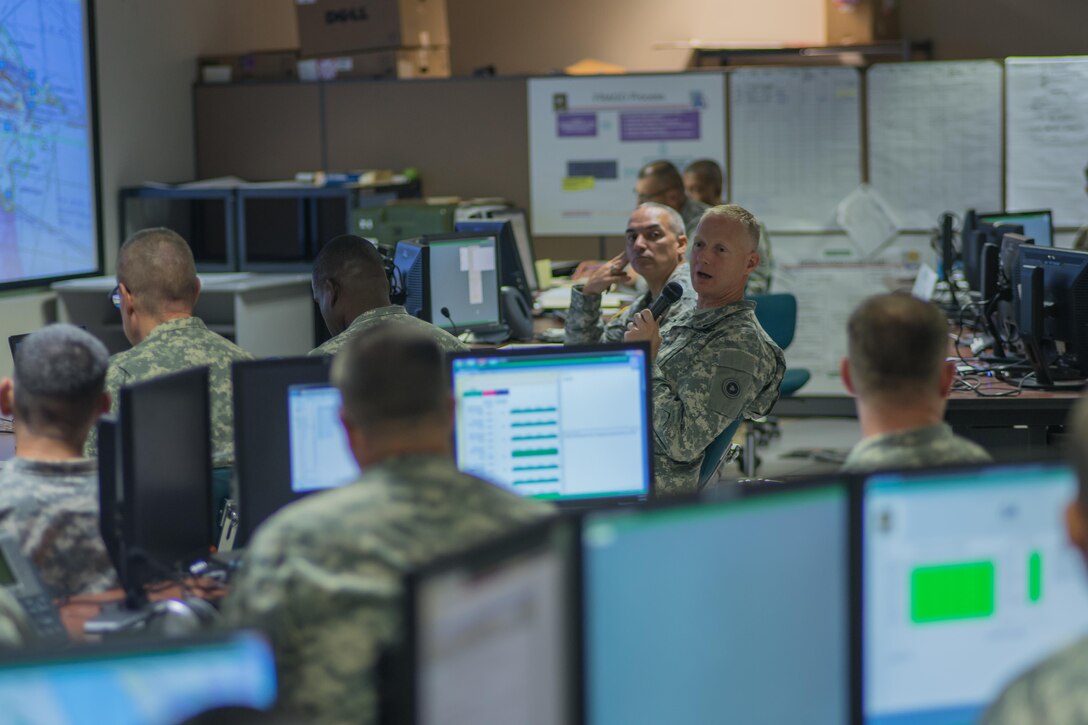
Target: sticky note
x,y
578,183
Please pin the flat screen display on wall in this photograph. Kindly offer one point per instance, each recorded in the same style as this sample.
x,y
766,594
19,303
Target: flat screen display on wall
x,y
49,227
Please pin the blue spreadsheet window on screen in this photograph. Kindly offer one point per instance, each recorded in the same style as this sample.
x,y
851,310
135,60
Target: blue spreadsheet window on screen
x,y
557,425
320,456
968,581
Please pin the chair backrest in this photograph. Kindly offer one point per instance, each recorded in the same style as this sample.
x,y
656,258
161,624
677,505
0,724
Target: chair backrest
x,y
713,454
777,313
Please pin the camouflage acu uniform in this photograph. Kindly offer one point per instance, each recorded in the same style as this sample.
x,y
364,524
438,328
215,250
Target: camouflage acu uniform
x,y
14,625
52,508
392,313
174,346
1054,692
715,366
323,576
932,445
584,324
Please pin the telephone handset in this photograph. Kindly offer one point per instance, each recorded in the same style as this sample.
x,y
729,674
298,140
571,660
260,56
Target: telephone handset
x,y
516,313
19,577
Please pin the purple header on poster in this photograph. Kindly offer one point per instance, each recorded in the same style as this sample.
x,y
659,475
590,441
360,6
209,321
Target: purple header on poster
x,y
659,126
577,124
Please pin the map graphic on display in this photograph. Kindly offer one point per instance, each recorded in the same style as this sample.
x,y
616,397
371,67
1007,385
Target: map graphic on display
x,y
47,218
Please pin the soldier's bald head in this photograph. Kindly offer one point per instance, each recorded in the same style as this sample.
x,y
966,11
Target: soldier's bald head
x,y
392,377
60,373
157,267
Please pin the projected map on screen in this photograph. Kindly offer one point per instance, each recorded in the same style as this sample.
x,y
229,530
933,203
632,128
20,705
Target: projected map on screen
x,y
47,222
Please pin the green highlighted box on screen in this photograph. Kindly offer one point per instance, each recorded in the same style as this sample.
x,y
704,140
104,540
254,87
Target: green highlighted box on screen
x,y
952,592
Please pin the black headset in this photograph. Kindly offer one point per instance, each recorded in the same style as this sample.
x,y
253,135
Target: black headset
x,y
398,292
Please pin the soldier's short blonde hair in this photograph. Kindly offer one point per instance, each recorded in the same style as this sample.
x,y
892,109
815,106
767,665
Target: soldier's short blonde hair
x,y
157,266
737,213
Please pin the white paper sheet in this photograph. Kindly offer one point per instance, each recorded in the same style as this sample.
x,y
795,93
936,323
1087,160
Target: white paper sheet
x,y
868,220
796,143
935,137
1047,115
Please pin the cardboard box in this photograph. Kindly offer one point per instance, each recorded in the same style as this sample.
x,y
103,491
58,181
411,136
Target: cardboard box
x,y
273,65
336,27
856,22
401,63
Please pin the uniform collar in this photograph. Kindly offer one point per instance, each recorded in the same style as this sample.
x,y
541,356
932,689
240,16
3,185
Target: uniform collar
x,y
376,314
708,318
181,323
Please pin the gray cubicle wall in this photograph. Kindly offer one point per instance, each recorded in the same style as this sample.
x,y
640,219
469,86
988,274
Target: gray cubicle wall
x,y
467,137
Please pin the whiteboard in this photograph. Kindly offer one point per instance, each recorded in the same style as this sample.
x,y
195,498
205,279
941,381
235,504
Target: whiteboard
x,y
795,144
588,137
935,138
1047,113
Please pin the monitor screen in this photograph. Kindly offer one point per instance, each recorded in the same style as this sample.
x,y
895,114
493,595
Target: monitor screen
x,y
511,269
165,458
491,635
320,456
568,423
1037,224
263,443
464,279
520,223
719,612
155,682
968,580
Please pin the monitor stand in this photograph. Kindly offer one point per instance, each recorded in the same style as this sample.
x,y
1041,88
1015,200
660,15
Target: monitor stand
x,y
117,617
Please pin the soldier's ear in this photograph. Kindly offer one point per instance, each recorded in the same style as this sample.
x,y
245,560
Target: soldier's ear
x,y
7,396
844,372
1076,526
105,403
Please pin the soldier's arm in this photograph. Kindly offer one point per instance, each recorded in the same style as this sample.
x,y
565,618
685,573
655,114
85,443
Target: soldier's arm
x,y
691,410
583,324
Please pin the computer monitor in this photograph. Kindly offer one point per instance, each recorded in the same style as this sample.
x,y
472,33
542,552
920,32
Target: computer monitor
x,y
491,633
320,456
968,579
1053,309
519,220
452,281
719,612
511,269
570,424
973,243
138,680
288,441
163,456
1039,225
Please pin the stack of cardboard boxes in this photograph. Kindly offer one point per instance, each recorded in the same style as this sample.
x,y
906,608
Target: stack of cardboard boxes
x,y
372,39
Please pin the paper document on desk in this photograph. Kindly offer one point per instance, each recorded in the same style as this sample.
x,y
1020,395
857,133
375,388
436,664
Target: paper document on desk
x,y
868,220
558,298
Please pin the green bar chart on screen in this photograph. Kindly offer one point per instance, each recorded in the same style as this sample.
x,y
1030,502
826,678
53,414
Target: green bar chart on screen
x,y
1035,576
952,592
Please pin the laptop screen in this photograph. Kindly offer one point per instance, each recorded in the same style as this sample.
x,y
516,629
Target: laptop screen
x,y
559,423
969,580
719,612
320,456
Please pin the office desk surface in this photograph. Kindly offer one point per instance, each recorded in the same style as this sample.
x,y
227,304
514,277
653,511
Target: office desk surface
x,y
75,611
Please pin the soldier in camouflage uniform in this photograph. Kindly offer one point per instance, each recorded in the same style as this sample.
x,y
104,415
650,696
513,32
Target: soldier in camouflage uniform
x,y
703,182
322,578
15,628
1055,692
156,292
655,249
49,492
713,363
352,292
896,369
660,182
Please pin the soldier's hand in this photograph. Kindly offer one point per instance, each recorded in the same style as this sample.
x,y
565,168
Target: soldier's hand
x,y
610,273
643,327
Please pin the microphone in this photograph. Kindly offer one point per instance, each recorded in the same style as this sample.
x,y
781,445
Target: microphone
x,y
446,313
672,292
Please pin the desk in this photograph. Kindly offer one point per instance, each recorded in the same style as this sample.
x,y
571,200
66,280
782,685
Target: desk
x,y
75,611
1026,421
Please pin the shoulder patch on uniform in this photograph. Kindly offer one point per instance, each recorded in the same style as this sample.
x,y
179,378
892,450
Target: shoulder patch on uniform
x,y
731,388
